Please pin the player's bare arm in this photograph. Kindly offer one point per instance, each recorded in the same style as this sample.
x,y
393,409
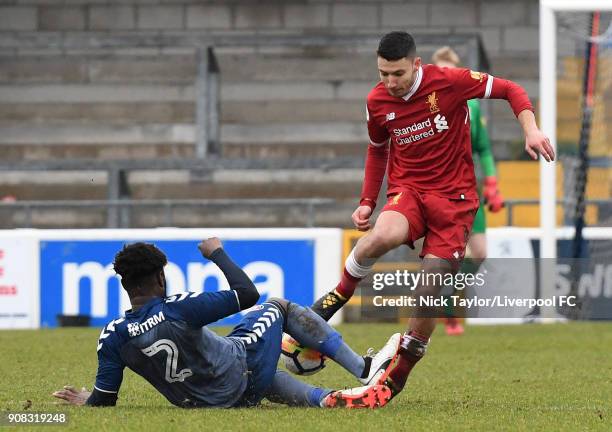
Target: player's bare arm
x,y
536,143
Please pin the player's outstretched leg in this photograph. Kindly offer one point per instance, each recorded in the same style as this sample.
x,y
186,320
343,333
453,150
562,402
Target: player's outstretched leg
x,y
313,332
390,231
287,390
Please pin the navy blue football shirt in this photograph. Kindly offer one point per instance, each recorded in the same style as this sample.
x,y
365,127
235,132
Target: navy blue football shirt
x,y
166,342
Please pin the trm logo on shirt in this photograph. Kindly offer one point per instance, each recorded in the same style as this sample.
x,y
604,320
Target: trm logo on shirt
x,y
391,116
136,329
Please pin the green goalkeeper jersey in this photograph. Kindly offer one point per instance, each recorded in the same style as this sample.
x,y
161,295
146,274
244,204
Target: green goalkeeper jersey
x,y
480,139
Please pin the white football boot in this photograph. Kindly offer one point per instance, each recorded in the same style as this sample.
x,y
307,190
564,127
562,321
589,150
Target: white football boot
x,y
382,361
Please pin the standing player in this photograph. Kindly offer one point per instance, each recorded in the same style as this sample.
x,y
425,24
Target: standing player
x,y
418,124
164,340
477,244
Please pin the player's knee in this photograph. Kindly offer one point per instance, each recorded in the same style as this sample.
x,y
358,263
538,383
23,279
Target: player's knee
x,y
437,265
435,270
282,304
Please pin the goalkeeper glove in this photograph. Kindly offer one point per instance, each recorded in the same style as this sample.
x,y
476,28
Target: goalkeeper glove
x,y
491,194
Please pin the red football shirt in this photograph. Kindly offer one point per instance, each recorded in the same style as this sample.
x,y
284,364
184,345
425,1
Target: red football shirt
x,y
422,139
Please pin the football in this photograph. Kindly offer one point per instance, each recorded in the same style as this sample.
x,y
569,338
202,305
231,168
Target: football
x,y
299,359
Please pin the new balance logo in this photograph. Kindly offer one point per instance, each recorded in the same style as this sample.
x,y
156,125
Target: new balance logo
x,y
391,116
441,123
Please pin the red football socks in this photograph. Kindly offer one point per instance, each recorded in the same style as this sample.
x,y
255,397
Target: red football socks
x,y
406,361
348,284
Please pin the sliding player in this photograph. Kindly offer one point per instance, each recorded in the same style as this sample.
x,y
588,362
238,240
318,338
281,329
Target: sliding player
x,y
164,340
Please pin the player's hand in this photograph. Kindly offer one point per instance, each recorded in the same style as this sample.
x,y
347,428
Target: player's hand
x,y
208,246
491,194
361,218
536,143
72,395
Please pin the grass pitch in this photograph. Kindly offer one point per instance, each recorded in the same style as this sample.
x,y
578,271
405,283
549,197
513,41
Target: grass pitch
x,y
530,377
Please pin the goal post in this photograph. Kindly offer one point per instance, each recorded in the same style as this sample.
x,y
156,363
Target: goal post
x,y
549,32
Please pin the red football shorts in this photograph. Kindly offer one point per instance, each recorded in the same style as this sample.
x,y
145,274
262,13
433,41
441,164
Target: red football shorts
x,y
444,222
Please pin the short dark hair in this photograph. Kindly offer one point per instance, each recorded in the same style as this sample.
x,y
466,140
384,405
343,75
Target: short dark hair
x,y
396,45
138,261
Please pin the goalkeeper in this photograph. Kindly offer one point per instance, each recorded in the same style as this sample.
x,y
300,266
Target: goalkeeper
x,y
490,195
165,340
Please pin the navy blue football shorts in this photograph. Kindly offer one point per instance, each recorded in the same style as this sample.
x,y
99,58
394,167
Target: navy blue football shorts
x,y
261,330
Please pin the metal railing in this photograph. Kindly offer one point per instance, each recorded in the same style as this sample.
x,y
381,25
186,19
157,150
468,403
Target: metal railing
x,y
510,205
118,188
119,212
